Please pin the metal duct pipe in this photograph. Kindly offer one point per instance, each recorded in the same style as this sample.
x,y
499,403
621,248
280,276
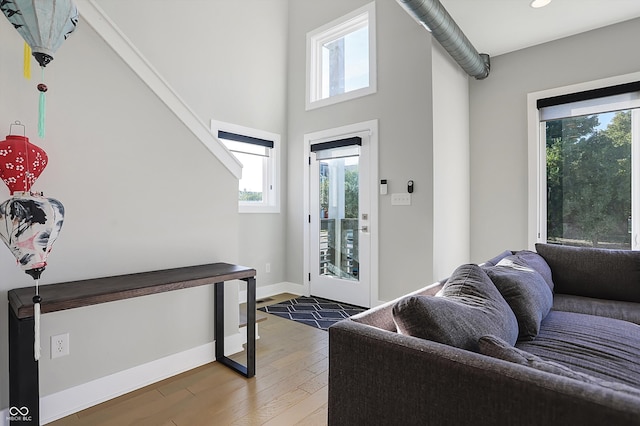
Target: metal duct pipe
x,y
432,15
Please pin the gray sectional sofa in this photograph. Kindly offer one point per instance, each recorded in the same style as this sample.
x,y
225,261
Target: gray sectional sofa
x,y
550,337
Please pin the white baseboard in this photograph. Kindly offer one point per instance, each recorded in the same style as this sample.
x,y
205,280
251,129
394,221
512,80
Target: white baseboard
x,y
72,400
77,398
273,289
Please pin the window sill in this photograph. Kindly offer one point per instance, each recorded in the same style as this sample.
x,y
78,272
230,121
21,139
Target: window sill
x,y
258,209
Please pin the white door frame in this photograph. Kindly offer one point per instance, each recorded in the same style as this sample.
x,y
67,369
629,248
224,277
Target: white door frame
x,y
366,126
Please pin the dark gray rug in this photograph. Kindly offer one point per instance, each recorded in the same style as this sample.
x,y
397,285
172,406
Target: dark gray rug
x,y
314,311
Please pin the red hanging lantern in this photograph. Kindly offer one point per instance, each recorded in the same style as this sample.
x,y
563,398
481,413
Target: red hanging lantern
x,y
21,163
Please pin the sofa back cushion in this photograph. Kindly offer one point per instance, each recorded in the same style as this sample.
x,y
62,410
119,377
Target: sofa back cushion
x,y
591,272
468,307
526,292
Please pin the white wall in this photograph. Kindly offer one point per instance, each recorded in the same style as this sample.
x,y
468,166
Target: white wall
x,y
403,107
451,182
227,60
498,124
140,191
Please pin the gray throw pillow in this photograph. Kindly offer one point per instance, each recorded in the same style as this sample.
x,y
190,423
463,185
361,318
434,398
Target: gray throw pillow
x,y
591,272
526,292
468,307
537,263
497,348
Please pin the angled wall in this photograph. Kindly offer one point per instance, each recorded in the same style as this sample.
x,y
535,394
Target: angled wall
x,y
227,60
140,191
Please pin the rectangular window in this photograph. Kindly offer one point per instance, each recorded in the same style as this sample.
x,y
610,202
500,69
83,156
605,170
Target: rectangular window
x,y
341,59
588,140
257,151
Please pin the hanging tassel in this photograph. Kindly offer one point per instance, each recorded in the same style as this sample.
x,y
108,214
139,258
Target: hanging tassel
x,y
36,327
42,88
41,112
27,61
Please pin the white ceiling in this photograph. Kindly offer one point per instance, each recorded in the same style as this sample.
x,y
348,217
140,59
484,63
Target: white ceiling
x,y
501,26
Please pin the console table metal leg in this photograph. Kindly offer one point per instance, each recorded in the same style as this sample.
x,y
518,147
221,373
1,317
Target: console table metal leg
x,y
24,394
250,369
218,301
251,327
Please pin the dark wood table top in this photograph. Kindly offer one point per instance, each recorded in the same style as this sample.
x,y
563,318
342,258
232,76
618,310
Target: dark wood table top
x,y
75,294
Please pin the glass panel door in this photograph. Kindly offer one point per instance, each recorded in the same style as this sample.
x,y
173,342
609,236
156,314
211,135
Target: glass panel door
x,y
339,237
339,225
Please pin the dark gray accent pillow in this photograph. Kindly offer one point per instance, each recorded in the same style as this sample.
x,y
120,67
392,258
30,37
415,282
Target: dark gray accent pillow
x,y
497,348
538,263
468,307
526,292
591,272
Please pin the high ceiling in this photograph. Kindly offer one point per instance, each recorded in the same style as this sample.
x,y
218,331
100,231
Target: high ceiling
x,y
501,26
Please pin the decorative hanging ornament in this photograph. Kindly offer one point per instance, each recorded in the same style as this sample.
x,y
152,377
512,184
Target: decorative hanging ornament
x,y
21,162
44,25
29,225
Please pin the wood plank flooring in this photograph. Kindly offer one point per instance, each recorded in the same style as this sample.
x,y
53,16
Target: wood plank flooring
x,y
290,387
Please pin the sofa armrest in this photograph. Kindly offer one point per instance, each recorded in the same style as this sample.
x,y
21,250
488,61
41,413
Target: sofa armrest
x,y
378,377
382,316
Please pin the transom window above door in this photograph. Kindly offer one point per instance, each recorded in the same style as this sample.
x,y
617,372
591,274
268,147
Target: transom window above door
x,y
341,59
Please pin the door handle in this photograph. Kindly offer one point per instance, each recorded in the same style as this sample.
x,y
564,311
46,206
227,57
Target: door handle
x,y
365,229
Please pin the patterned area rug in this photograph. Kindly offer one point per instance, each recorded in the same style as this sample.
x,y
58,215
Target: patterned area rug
x,y
313,311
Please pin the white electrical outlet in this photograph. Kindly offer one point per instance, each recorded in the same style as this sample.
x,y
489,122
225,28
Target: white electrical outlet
x,y
59,345
267,268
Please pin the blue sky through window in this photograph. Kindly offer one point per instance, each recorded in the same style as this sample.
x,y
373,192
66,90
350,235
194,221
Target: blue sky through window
x,y
356,62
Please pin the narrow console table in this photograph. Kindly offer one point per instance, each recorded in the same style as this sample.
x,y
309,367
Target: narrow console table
x,y
23,369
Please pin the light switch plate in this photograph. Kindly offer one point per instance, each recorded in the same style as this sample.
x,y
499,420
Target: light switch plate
x,y
401,199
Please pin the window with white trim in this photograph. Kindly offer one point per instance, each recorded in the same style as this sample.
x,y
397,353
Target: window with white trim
x,y
258,152
589,170
341,59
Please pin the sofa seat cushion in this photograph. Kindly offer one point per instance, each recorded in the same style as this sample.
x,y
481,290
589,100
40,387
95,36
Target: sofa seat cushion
x,y
468,307
602,347
498,348
526,292
627,311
